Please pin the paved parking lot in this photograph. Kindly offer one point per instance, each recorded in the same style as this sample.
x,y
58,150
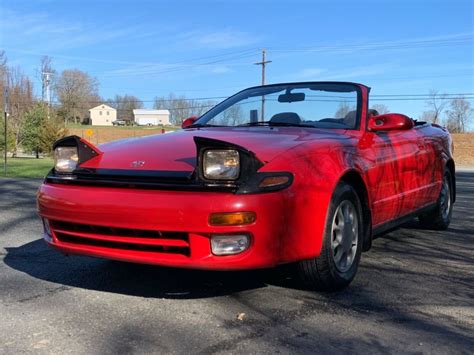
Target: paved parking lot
x,y
414,293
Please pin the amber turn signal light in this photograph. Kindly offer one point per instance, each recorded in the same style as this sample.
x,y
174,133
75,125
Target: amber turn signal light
x,y
274,181
231,218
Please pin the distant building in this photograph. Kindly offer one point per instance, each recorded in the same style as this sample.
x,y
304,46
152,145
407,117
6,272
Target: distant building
x,y
145,117
102,115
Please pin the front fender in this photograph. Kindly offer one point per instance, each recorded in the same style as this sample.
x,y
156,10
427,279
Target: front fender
x,y
316,174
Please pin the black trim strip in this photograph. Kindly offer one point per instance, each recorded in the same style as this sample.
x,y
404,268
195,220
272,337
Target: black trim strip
x,y
394,224
157,180
88,173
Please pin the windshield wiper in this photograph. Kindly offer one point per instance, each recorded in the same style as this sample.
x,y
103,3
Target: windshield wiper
x,y
270,123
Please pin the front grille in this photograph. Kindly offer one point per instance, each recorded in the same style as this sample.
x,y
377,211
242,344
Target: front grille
x,y
141,240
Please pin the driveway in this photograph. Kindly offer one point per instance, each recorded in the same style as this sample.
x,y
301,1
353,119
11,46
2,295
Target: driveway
x,y
414,293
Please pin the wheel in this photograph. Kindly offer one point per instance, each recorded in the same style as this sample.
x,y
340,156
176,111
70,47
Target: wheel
x,y
337,264
440,217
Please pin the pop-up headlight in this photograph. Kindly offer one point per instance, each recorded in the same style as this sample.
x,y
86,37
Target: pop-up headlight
x,y
70,152
65,159
219,164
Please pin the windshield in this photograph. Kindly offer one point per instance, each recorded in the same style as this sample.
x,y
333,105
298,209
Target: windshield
x,y
320,105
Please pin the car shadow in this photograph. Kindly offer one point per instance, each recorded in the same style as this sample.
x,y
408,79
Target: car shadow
x,y
38,260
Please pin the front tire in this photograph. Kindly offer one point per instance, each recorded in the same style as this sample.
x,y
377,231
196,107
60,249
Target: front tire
x,y
337,264
440,217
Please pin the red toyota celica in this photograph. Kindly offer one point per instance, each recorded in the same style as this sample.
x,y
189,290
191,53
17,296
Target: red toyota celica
x,y
288,173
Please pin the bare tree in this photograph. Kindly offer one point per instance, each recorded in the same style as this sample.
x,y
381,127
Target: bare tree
x,y
20,102
436,103
232,116
380,108
343,109
3,75
125,106
182,108
3,86
77,92
427,116
459,115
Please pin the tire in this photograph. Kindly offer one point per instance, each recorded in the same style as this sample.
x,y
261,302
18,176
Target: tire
x,y
440,217
329,272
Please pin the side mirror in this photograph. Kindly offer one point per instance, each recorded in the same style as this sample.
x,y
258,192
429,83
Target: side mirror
x,y
189,121
390,122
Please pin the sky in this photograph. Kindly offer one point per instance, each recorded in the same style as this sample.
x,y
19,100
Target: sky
x,y
207,48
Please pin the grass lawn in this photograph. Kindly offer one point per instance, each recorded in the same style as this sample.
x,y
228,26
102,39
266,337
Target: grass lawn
x,y
27,167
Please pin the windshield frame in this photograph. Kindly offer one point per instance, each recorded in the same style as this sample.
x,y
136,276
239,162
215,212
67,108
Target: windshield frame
x,y
223,105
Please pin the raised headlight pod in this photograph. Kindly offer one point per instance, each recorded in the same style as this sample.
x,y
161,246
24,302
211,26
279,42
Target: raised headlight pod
x,y
65,159
221,164
70,152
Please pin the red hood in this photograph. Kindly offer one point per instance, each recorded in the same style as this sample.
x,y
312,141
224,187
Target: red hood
x,y
177,151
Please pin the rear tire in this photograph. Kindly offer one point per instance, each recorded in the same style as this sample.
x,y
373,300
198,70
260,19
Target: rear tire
x,y
337,264
440,217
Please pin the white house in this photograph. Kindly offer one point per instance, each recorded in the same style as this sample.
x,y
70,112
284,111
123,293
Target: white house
x,y
144,117
102,115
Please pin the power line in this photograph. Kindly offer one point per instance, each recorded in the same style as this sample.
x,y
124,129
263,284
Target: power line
x,y
381,45
401,97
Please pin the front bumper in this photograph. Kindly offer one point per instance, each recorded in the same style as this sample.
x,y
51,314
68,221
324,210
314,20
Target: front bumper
x,y
160,227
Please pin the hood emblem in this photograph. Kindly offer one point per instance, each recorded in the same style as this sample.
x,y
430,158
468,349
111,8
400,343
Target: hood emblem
x,y
137,163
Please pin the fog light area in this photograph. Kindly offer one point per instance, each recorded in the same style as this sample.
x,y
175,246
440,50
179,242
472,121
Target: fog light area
x,y
229,244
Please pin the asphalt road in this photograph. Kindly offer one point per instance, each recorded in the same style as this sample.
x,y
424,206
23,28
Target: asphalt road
x,y
414,293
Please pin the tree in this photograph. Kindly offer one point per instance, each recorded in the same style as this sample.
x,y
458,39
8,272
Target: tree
x,y
3,86
343,109
125,106
380,108
427,116
34,120
459,115
20,93
77,92
51,130
232,116
182,108
40,131
3,75
436,103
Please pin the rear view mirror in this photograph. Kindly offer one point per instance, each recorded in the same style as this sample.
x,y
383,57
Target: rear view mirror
x,y
291,97
188,121
390,122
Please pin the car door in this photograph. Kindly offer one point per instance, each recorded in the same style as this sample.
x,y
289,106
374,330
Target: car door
x,y
412,158
393,173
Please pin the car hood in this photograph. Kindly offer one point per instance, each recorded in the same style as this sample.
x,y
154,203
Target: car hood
x,y
177,151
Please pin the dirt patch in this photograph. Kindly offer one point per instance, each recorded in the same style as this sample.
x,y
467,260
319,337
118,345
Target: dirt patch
x,y
104,134
463,149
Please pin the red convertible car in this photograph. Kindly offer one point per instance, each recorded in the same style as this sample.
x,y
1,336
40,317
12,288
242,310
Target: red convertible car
x,y
297,173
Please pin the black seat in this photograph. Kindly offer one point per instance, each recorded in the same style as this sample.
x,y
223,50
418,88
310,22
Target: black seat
x,y
286,117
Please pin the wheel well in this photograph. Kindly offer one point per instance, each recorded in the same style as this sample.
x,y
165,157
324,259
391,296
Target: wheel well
x,y
355,180
452,170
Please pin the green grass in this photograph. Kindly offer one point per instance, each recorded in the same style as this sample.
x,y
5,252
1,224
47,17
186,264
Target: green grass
x,y
27,167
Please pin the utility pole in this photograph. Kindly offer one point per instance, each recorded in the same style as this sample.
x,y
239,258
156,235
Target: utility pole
x,y
263,63
5,112
46,92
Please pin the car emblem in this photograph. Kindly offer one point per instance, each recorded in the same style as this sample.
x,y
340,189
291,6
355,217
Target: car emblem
x,y
137,163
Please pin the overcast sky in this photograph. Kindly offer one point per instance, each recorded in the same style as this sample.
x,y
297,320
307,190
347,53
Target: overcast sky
x,y
206,48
